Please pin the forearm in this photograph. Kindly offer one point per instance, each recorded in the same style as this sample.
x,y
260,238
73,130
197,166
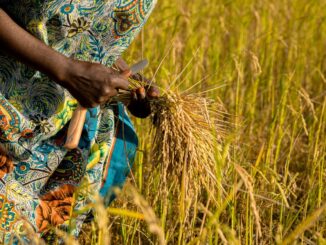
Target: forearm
x,y
17,42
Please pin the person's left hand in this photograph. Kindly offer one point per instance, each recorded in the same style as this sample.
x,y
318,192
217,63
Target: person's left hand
x,y
139,105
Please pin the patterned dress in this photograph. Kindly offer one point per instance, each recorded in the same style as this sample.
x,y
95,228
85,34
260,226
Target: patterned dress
x,y
39,184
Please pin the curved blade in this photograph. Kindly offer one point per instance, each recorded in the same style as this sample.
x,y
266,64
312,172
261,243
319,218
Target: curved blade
x,y
139,66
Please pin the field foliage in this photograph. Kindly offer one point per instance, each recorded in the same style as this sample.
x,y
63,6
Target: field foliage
x,y
266,62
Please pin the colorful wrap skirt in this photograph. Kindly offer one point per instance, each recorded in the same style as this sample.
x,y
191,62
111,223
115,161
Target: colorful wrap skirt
x,y
39,185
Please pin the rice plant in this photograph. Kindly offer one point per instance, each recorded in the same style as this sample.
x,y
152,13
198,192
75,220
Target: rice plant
x,y
266,62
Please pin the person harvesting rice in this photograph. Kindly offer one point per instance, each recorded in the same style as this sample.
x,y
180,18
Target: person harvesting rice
x,y
67,50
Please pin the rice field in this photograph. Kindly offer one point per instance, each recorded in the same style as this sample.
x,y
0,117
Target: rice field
x,y
265,61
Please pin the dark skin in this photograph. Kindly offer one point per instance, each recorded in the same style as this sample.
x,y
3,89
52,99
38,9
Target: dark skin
x,y
91,84
139,105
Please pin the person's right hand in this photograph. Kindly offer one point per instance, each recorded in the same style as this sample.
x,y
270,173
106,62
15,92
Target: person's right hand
x,y
92,84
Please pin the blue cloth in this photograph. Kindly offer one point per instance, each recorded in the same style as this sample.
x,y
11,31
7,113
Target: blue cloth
x,y
123,156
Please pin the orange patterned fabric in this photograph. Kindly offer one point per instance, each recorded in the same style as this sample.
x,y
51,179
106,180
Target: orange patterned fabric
x,y
54,208
6,164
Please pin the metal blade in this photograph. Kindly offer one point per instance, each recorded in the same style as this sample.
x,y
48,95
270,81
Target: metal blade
x,y
138,66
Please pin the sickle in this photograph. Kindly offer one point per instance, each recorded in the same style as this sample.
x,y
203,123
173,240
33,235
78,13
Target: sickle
x,y
78,118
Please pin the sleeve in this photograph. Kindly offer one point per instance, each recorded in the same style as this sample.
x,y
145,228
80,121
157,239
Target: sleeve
x,y
102,32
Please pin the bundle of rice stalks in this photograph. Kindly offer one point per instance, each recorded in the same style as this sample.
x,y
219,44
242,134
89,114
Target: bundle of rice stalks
x,y
187,129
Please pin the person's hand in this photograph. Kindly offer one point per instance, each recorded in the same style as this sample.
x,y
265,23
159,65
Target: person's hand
x,y
93,84
139,105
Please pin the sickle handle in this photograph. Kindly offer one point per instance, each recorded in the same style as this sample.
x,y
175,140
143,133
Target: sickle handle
x,y
77,123
75,127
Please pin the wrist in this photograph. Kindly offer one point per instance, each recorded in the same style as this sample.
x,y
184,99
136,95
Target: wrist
x,y
61,72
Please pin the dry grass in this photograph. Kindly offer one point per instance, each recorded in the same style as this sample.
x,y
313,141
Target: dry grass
x,y
187,132
268,58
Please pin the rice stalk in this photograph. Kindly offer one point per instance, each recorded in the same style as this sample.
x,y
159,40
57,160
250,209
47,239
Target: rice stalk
x,y
247,179
102,221
66,238
304,225
125,213
187,128
149,216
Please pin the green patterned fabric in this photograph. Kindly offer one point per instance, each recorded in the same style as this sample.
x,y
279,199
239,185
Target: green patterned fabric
x,y
35,111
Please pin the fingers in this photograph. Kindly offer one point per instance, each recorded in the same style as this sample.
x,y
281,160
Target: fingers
x,y
137,77
153,92
126,73
141,93
134,95
138,94
123,68
119,82
140,108
107,98
121,64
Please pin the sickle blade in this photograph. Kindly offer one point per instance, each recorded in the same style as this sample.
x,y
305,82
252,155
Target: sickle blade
x,y
138,66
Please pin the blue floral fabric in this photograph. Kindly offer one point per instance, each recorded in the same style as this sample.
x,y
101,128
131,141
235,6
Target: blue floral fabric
x,y
39,184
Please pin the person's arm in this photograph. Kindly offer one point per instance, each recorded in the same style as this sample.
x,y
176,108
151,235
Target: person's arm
x,y
17,42
91,84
